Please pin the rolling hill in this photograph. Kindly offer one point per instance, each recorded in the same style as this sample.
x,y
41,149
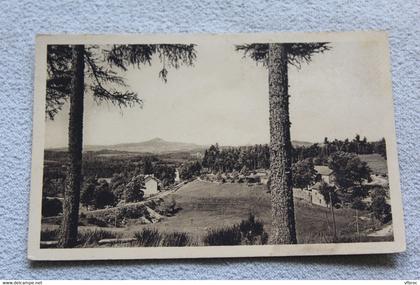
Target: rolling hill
x,y
156,146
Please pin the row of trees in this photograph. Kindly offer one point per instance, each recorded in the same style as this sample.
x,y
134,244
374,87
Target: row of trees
x,y
322,151
189,170
100,194
235,158
228,159
162,171
349,171
96,166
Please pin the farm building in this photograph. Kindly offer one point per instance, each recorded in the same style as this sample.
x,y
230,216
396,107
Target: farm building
x,y
253,178
325,173
177,178
302,194
317,197
311,195
104,179
264,175
151,185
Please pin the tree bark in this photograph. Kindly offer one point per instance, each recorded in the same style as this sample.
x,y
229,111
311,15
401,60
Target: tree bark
x,y
283,218
70,220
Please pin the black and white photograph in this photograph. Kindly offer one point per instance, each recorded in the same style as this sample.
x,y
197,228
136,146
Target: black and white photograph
x,y
190,146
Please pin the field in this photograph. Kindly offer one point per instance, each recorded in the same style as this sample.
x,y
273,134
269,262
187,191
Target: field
x,y
376,162
206,205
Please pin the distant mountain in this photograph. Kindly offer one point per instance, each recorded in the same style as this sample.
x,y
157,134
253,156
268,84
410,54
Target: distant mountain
x,y
301,143
156,145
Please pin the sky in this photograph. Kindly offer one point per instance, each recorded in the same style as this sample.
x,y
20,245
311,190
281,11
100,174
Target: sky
x,y
224,98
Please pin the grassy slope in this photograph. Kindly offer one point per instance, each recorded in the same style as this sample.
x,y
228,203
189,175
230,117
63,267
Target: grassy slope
x,y
376,162
208,205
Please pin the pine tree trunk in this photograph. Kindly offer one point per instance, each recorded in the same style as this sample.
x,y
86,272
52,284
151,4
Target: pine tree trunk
x,y
283,218
74,172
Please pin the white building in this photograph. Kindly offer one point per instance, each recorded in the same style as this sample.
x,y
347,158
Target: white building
x,y
317,197
151,185
325,172
177,179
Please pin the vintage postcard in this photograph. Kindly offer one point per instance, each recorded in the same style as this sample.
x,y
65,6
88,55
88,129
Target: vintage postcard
x,y
199,146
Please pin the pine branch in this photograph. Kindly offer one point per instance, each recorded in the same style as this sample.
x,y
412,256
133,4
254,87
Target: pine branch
x,y
297,53
58,78
170,55
101,93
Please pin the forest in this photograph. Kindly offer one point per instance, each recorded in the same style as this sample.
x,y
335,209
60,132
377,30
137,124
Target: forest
x,y
228,159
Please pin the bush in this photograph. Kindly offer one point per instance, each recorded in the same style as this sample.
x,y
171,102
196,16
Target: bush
x,y
92,237
103,196
176,239
224,236
358,204
381,210
132,212
87,194
96,222
148,238
167,207
249,232
252,231
51,207
115,216
85,238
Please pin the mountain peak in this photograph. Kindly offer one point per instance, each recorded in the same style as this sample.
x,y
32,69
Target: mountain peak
x,y
157,139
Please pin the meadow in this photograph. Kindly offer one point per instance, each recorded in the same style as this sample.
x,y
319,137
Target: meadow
x,y
207,206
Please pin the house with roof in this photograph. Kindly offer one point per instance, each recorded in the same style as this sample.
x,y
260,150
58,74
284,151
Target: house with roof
x,y
151,184
325,173
313,193
264,176
252,178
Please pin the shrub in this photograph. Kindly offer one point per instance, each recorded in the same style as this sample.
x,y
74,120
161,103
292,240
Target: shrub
x,y
176,239
114,216
50,235
132,212
167,207
224,236
358,204
252,231
87,194
381,209
103,196
148,237
96,222
92,237
51,207
249,231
